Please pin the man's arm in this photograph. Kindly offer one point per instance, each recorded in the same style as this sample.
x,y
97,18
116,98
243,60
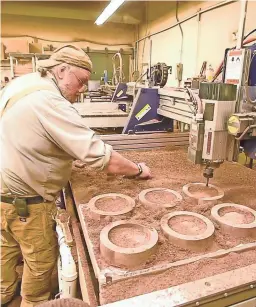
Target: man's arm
x,y
119,165
65,127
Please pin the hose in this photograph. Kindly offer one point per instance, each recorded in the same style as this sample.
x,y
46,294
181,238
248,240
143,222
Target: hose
x,y
140,77
181,31
199,103
245,131
146,33
254,30
249,40
196,101
117,79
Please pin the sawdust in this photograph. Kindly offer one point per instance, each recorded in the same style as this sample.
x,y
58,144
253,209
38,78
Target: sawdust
x,y
237,216
187,225
128,236
166,252
171,170
111,204
175,276
160,197
199,191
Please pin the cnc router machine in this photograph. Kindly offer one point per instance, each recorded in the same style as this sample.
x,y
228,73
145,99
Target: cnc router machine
x,y
222,122
221,117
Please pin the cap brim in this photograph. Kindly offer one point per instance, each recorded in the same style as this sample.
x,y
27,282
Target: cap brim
x,y
48,63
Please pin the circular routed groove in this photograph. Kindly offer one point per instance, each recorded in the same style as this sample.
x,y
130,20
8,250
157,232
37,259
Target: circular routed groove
x,y
111,200
197,238
164,198
234,219
128,244
203,196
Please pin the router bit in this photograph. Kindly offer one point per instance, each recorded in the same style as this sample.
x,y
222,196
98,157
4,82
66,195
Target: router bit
x,y
208,173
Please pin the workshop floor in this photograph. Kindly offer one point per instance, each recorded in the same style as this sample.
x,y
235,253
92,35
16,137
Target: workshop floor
x,y
172,170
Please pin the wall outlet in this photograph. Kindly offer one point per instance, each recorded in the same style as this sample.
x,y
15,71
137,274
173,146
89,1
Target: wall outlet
x,y
234,36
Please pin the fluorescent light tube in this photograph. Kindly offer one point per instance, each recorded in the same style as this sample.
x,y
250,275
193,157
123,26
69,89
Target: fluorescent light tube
x,y
108,11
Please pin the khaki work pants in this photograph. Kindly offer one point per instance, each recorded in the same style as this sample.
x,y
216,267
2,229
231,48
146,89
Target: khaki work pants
x,y
33,237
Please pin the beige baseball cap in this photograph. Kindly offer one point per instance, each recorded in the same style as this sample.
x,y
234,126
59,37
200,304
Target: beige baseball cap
x,y
69,54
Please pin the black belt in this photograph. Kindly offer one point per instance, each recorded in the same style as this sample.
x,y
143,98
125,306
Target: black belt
x,y
29,200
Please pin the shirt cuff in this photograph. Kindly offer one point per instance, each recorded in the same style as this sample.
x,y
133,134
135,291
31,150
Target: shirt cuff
x,y
107,157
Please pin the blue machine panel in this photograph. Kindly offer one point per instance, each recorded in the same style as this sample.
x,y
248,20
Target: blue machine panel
x,y
252,74
249,147
120,92
143,116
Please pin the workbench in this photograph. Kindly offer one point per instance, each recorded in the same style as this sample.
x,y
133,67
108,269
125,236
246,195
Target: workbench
x,y
221,275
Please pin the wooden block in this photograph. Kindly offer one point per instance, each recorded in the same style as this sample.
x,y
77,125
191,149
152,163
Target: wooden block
x,y
35,48
2,51
17,46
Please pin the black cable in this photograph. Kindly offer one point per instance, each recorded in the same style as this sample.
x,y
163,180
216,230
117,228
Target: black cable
x,y
215,77
254,30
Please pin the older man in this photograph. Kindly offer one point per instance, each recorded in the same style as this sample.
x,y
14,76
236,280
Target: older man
x,y
41,134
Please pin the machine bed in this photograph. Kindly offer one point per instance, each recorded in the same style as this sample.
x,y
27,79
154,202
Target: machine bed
x,y
221,271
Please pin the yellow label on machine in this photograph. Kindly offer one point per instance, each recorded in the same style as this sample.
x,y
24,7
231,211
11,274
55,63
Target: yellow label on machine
x,y
143,112
233,125
119,93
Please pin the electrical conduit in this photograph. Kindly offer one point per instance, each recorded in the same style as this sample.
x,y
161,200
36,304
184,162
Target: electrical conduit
x,y
66,268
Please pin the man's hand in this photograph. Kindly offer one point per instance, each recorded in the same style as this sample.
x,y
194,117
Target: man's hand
x,y
146,172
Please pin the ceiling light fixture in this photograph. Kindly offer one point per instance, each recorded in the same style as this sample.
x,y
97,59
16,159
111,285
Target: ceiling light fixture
x,y
108,11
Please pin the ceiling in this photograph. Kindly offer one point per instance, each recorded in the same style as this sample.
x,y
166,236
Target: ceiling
x,y
131,12
75,20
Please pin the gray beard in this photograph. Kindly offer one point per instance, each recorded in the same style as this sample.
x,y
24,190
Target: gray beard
x,y
65,93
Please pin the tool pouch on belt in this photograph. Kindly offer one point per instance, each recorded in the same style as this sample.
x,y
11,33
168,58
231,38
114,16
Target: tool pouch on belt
x,y
21,207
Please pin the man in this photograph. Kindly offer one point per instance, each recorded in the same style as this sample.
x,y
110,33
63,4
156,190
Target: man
x,y
41,134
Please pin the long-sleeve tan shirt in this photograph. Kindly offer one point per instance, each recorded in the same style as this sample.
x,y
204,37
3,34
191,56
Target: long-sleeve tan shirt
x,y
41,134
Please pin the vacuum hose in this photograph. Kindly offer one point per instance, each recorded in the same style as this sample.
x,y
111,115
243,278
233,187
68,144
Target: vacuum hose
x,y
117,71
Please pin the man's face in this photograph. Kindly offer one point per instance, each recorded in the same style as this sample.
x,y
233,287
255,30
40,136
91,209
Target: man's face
x,y
73,81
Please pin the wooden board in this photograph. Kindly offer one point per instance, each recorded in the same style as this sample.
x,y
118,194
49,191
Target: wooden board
x,y
146,141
